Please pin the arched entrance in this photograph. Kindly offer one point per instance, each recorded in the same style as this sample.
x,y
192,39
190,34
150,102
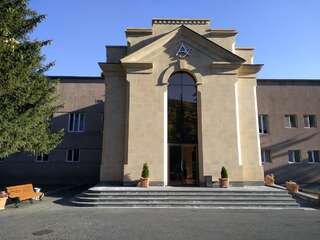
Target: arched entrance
x,y
182,130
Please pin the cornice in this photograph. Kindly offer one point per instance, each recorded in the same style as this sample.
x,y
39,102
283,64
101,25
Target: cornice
x,y
181,21
110,68
249,69
138,67
225,67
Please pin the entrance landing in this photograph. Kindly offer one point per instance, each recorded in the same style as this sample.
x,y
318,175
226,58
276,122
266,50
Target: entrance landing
x,y
99,187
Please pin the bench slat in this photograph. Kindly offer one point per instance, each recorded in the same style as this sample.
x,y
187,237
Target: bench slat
x,y
22,192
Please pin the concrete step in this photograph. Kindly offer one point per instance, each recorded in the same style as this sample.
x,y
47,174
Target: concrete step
x,y
173,198
170,204
183,194
185,197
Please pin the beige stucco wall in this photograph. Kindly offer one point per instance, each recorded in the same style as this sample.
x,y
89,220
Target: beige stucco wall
x,y
227,114
114,132
145,127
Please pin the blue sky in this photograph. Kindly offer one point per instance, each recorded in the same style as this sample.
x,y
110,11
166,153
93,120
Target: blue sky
x,y
285,33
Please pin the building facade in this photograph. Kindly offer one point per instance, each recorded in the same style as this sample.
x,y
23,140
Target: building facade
x,y
182,98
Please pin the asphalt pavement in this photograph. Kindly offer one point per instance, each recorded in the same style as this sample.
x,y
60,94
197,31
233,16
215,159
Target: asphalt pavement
x,y
53,219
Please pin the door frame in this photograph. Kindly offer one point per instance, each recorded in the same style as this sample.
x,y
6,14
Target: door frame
x,y
197,163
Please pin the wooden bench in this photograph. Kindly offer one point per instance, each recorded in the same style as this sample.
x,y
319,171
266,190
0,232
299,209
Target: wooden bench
x,y
23,192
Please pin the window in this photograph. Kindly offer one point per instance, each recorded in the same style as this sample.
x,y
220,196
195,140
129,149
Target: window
x,y
294,156
76,122
263,123
290,121
42,157
73,155
313,156
265,156
310,121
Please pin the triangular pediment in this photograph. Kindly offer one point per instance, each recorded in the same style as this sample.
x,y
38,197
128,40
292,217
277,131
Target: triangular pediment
x,y
186,39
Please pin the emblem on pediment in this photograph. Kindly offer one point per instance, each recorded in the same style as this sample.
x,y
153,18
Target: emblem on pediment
x,y
183,51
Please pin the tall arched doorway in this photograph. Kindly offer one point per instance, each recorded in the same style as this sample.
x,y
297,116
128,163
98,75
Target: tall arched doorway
x,y
182,130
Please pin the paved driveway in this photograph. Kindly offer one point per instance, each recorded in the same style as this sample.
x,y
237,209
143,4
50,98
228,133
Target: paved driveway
x,y
52,219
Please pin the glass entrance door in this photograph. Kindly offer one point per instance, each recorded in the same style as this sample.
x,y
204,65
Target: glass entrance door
x,y
182,130
183,167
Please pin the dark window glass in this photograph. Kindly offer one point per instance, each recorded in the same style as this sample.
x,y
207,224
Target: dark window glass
x,y
290,121
71,116
76,155
263,123
265,156
182,109
313,156
81,127
69,155
294,156
45,157
310,121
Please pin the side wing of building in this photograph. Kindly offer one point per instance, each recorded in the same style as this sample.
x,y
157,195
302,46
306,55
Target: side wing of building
x,y
289,121
77,158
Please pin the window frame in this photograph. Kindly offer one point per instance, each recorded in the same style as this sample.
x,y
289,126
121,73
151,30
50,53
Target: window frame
x,y
263,156
41,160
264,125
76,119
309,122
313,158
290,125
295,160
72,155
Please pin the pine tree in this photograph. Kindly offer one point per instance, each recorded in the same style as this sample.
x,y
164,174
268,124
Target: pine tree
x,y
28,98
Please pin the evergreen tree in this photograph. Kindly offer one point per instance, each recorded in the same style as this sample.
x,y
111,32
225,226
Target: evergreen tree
x,y
27,97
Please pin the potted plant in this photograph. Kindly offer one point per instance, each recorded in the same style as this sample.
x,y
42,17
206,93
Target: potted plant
x,y
3,199
224,180
292,187
269,180
144,180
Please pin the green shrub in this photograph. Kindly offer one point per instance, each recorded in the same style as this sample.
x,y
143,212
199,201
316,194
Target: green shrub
x,y
145,171
224,173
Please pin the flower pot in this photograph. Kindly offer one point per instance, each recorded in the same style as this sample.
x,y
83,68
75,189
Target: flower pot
x,y
269,180
224,182
292,187
144,182
3,201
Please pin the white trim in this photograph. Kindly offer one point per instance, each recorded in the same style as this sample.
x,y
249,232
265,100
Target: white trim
x,y
257,123
313,156
165,137
294,156
76,128
238,123
290,125
72,155
41,161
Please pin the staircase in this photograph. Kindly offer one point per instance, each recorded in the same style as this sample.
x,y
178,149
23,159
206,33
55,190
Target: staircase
x,y
183,197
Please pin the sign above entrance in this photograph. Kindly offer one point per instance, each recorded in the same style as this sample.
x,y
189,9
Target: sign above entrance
x,y
183,51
